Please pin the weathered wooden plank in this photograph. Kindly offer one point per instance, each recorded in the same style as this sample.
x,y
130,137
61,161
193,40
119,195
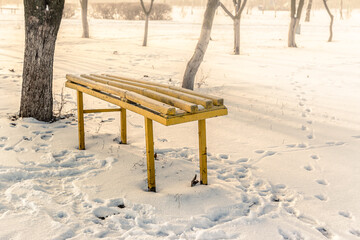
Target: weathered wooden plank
x,y
179,103
216,100
129,95
206,103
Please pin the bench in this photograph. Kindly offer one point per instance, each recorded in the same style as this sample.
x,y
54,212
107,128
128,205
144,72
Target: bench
x,y
162,103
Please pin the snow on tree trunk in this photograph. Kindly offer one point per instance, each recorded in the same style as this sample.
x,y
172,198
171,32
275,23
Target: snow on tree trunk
x,y
308,11
198,56
331,20
237,36
85,25
42,22
146,30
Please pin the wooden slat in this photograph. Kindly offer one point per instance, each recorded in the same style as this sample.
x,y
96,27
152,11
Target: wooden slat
x,y
206,103
111,99
179,103
132,96
216,100
163,119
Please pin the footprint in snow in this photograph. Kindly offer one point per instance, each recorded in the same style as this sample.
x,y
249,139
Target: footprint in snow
x,y
322,182
3,139
345,214
291,145
315,157
324,232
310,136
358,137
308,168
259,151
355,232
301,145
321,197
46,137
223,156
242,160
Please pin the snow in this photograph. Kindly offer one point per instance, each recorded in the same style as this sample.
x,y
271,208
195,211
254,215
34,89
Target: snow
x,y
284,164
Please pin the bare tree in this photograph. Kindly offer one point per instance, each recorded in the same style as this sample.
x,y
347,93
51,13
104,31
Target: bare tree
x,y
85,25
147,16
341,9
308,11
200,49
42,22
239,8
295,19
331,20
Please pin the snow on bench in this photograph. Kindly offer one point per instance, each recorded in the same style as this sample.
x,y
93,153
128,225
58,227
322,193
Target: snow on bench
x,y
162,103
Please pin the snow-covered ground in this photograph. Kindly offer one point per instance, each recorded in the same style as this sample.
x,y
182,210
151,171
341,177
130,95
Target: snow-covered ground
x,y
284,164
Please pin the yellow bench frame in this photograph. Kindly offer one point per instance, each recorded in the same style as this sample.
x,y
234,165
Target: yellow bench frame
x,y
162,103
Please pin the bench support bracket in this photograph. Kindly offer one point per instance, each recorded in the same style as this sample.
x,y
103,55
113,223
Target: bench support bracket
x,y
202,152
149,136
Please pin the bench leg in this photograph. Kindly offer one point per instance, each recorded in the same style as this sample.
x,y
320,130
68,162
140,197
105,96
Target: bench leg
x,y
150,154
202,152
80,105
123,125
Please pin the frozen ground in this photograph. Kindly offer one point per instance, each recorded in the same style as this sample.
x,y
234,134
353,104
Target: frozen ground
x,y
284,164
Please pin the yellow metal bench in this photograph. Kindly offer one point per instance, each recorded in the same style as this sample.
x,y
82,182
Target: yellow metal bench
x,y
162,103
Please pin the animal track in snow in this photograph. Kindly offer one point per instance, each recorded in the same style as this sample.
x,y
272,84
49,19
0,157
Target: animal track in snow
x,y
358,137
310,136
259,151
315,157
321,197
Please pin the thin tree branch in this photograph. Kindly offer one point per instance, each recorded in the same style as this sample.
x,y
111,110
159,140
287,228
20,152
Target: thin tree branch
x,y
144,8
227,11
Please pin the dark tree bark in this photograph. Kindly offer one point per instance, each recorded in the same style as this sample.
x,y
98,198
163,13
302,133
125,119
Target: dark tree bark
x,y
85,25
195,61
239,8
42,22
147,16
295,19
331,20
308,11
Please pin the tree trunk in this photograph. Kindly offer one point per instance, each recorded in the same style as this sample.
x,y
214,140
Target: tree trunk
x,y
195,61
42,22
308,11
237,36
341,9
291,37
331,20
146,30
85,25
147,16
295,20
